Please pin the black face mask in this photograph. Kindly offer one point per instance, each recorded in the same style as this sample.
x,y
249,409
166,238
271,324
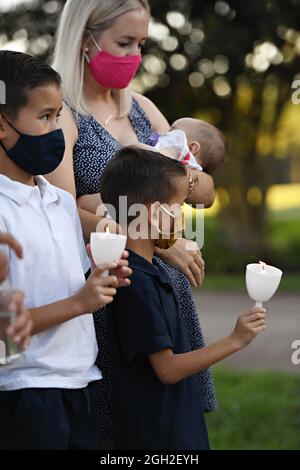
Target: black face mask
x,y
37,155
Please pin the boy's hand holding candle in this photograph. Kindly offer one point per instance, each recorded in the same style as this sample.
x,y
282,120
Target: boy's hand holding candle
x,y
106,247
98,290
101,286
121,271
248,326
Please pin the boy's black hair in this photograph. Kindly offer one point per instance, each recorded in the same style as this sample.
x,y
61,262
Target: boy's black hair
x,y
141,175
20,73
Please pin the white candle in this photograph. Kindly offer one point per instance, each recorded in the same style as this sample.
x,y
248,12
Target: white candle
x,y
263,268
107,247
262,282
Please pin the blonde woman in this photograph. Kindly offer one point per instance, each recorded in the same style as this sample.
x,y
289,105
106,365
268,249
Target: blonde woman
x,y
97,52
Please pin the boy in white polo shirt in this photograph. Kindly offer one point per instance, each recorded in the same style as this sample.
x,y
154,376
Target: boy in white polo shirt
x,y
48,400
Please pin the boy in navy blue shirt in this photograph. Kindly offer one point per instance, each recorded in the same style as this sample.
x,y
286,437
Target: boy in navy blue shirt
x,y
156,401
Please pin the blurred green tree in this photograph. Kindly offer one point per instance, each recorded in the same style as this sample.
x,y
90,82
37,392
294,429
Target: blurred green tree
x,y
230,62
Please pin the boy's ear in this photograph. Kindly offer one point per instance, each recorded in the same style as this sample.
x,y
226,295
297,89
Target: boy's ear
x,y
195,147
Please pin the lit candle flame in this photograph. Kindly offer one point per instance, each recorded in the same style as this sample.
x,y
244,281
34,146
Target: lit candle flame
x,y
263,265
107,229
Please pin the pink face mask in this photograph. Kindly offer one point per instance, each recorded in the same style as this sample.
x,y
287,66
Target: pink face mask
x,y
111,71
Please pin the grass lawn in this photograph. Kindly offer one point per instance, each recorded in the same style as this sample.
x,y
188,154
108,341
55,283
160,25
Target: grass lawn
x,y
258,410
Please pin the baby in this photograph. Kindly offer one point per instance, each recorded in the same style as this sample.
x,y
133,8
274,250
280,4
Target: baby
x,y
195,143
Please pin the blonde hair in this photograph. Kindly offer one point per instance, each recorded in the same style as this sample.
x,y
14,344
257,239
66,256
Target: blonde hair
x,y
78,18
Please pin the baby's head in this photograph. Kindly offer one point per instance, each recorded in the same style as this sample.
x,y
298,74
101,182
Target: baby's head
x,y
206,142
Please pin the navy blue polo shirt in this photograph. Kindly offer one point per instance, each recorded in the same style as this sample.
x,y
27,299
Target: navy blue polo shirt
x,y
144,319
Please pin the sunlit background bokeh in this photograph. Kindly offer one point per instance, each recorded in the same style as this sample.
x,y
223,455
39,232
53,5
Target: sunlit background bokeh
x,y
235,64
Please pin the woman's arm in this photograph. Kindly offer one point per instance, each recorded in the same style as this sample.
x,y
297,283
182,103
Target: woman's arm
x,y
63,176
89,203
204,192
189,262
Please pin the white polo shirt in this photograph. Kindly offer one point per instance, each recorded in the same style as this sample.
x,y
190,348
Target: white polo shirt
x,y
44,219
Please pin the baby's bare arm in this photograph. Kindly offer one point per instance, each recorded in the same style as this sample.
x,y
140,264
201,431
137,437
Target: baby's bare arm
x,y
170,152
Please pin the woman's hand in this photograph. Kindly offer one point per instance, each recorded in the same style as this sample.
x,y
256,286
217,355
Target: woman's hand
x,y
89,202
6,239
20,330
185,256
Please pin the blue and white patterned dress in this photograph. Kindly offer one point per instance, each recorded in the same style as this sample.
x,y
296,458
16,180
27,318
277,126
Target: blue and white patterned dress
x,y
93,150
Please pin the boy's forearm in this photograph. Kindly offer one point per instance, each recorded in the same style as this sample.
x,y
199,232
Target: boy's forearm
x,y
52,315
187,364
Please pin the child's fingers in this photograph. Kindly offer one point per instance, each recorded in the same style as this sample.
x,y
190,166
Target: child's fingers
x,y
20,322
98,271
259,329
7,239
256,324
256,316
21,328
107,299
124,282
109,292
25,334
16,302
122,262
110,281
125,254
26,343
254,310
122,272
